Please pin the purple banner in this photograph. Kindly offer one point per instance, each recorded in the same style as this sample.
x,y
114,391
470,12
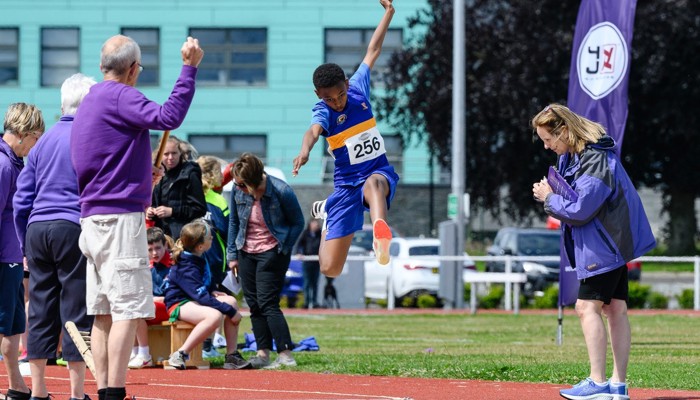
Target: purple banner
x,y
600,63
598,81
568,282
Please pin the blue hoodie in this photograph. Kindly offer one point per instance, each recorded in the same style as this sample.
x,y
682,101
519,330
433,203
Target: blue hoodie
x,y
187,280
606,226
47,187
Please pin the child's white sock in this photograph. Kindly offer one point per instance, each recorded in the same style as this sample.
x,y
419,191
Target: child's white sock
x,y
144,351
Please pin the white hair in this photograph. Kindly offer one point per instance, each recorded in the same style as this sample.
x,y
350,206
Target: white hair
x,y
73,90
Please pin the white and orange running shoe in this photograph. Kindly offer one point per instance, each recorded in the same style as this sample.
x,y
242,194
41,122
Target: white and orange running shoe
x,y
382,239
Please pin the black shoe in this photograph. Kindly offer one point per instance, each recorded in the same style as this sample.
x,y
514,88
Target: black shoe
x,y
236,361
17,395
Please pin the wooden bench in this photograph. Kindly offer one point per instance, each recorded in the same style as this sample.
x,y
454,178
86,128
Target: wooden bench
x,y
166,338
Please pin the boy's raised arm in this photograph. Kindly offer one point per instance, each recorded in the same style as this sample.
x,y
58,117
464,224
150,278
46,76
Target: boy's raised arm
x,y
310,139
375,44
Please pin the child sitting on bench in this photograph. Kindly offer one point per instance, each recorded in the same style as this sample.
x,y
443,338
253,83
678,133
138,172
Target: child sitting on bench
x,y
159,246
187,298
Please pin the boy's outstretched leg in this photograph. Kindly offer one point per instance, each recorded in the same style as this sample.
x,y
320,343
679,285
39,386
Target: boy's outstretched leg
x,y
376,192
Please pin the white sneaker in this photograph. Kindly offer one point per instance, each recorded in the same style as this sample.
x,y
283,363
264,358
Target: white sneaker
x,y
140,361
178,360
219,341
318,209
281,362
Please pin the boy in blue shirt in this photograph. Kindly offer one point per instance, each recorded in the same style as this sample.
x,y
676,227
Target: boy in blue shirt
x,y
159,254
363,177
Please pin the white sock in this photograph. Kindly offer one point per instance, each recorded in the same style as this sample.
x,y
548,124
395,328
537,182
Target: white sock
x,y
144,351
134,351
617,383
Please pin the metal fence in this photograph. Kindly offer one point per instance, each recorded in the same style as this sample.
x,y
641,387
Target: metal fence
x,y
510,301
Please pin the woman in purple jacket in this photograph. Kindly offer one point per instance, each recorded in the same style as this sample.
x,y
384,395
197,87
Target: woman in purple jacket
x,y
22,128
603,229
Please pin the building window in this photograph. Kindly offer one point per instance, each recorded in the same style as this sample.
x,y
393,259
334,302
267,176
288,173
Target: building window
x,y
229,147
347,48
234,57
60,54
9,56
149,42
394,154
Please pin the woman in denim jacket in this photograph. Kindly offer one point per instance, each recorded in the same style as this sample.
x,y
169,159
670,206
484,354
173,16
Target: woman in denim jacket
x,y
265,222
603,227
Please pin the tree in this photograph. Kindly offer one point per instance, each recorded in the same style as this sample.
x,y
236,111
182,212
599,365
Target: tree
x,y
518,59
661,149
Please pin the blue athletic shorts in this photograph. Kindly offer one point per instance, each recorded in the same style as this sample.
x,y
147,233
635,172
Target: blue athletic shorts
x,y
13,319
346,206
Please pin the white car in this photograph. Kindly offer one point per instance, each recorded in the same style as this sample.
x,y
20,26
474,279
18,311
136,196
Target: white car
x,y
410,276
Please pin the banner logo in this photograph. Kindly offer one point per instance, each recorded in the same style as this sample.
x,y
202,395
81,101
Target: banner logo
x,y
602,60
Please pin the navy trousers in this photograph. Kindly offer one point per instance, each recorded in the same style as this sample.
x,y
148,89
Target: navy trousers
x,y
56,288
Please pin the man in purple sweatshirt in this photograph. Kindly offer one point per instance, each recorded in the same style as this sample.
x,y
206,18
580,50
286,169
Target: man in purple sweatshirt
x,y
111,153
47,221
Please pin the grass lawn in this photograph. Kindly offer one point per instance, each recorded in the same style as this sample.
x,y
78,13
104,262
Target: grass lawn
x,y
667,267
665,348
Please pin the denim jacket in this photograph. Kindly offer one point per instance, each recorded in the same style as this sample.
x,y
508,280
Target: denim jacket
x,y
607,226
281,212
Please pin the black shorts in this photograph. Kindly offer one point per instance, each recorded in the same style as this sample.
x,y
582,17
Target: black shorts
x,y
56,288
605,287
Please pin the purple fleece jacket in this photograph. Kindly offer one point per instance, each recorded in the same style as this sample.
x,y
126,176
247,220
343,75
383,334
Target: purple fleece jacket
x,y
47,188
10,167
111,146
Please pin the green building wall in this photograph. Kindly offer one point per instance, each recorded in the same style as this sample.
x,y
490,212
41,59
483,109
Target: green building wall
x,y
281,109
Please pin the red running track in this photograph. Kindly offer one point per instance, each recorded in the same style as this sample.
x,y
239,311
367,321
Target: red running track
x,y
219,384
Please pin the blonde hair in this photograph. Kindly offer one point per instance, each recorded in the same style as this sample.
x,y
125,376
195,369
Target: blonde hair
x,y
180,144
191,235
181,147
211,172
250,170
23,119
580,130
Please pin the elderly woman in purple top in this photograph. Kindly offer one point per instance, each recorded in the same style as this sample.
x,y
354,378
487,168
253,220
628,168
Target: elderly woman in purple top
x,y
47,219
23,126
111,153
